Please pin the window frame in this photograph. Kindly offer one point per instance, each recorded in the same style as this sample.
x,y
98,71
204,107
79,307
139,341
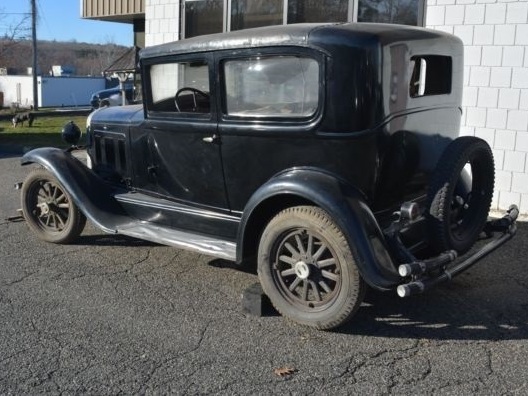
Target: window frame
x,y
183,21
353,7
426,71
265,53
228,16
420,13
149,113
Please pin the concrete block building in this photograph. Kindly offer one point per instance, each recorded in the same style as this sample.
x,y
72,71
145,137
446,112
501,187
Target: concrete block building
x,y
494,32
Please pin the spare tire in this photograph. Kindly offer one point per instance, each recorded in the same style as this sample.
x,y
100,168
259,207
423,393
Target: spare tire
x,y
459,195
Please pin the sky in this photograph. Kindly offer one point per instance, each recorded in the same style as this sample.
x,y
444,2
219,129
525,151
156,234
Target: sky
x,y
60,20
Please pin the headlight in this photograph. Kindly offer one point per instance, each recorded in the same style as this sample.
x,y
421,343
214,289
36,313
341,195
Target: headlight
x,y
71,133
89,119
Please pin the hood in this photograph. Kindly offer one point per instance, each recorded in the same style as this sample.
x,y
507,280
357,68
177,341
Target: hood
x,y
132,114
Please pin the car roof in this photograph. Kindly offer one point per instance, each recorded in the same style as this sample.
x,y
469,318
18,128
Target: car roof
x,y
323,36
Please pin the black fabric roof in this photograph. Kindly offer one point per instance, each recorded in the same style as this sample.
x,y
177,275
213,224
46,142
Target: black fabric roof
x,y
355,34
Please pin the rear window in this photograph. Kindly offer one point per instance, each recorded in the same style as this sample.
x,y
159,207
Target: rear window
x,y
274,86
430,75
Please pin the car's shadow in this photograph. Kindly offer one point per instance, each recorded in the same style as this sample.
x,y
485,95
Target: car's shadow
x,y
10,153
439,316
446,313
249,266
489,302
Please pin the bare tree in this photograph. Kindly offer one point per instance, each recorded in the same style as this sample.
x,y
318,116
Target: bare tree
x,y
14,31
109,55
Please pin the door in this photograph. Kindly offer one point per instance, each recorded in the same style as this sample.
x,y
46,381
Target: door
x,y
176,151
271,109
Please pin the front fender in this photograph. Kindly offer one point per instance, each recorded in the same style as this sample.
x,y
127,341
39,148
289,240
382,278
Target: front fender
x,y
345,205
89,192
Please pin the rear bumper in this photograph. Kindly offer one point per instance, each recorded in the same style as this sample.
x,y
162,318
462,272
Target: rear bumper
x,y
422,275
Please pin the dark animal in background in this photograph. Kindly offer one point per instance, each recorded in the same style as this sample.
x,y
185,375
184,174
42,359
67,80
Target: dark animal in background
x,y
21,118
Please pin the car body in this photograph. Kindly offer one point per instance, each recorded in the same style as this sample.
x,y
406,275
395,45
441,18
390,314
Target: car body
x,y
111,97
327,152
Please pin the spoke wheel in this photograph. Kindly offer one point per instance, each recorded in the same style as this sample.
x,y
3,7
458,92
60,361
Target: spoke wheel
x,y
307,268
49,210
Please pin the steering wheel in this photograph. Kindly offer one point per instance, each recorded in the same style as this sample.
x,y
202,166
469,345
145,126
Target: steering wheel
x,y
195,92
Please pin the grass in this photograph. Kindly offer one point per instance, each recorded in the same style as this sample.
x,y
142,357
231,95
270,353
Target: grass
x,y
45,132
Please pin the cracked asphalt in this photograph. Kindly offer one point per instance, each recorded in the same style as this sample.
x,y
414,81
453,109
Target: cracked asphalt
x,y
115,315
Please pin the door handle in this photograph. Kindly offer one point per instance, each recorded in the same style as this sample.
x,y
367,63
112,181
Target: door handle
x,y
152,170
212,139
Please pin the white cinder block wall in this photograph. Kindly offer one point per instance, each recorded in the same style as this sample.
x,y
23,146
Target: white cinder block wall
x,y
162,21
495,35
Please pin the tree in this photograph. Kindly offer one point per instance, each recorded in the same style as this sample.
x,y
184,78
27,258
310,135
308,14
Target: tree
x,y
13,31
111,51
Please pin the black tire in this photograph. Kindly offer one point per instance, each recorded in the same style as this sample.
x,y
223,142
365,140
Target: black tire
x,y
307,268
458,210
49,209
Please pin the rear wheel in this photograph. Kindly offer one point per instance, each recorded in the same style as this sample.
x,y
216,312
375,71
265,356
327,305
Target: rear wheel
x,y
49,209
460,193
307,268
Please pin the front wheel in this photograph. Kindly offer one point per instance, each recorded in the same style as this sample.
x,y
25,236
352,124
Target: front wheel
x,y
49,209
307,268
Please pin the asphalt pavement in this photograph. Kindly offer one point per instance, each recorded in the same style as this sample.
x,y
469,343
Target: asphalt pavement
x,y
115,315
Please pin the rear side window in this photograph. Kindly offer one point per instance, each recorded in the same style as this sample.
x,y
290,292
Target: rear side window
x,y
430,75
274,86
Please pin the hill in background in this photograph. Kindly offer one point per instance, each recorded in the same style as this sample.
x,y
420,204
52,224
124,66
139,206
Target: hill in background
x,y
85,59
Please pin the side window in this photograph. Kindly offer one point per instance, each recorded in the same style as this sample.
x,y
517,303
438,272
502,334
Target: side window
x,y
275,86
180,87
430,75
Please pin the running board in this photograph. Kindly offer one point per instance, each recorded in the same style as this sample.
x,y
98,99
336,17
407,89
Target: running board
x,y
184,240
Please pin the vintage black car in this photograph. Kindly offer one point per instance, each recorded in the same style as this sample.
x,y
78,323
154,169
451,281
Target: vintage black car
x,y
328,153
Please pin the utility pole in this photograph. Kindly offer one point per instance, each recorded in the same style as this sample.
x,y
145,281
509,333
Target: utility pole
x,y
34,46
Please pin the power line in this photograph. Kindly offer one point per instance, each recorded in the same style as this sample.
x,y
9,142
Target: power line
x,y
34,46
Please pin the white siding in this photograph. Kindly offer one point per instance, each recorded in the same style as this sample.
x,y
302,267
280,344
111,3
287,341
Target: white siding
x,y
495,36
68,91
52,91
162,21
17,89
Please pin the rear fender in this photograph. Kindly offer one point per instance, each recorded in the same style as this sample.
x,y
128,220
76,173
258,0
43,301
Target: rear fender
x,y
345,205
89,192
